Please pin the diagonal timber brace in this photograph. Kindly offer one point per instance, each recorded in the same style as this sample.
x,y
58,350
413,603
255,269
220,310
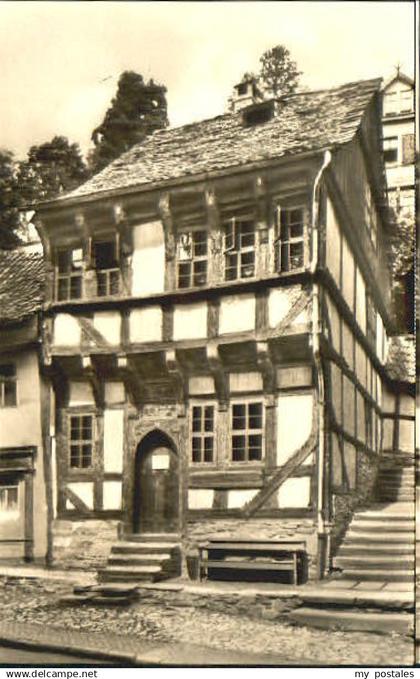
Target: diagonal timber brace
x,y
284,472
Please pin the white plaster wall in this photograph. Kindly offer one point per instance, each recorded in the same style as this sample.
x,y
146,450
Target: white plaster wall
x,y
114,393
279,304
348,275
200,498
148,259
84,491
295,492
239,498
245,382
111,495
406,436
294,423
201,384
360,300
81,394
407,405
108,323
379,337
67,331
333,243
145,325
237,313
113,440
190,321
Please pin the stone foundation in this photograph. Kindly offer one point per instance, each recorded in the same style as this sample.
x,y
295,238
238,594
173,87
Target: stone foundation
x,y
346,503
83,545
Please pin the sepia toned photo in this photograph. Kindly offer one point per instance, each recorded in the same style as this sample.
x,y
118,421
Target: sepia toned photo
x,y
207,334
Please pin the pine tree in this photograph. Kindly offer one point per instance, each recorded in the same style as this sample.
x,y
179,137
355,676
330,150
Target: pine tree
x,y
279,74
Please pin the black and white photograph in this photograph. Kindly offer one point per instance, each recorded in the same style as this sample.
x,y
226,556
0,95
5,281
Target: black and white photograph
x,y
207,334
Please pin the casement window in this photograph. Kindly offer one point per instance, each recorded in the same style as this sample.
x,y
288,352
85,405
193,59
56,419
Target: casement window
x,y
81,441
202,434
247,431
105,258
192,253
290,238
370,320
9,498
69,272
408,149
239,247
8,385
390,148
406,100
399,101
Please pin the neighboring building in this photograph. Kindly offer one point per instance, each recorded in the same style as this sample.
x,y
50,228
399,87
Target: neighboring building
x,y
216,329
398,125
24,413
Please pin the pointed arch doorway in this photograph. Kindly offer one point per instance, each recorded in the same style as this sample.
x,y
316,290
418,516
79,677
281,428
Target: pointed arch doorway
x,y
156,485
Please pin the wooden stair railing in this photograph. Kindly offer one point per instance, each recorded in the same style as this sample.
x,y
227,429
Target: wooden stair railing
x,y
284,472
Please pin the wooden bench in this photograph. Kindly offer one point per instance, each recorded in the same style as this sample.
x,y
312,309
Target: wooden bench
x,y
246,555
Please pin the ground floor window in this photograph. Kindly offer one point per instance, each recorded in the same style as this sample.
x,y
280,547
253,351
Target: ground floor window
x,y
8,498
81,440
247,432
202,439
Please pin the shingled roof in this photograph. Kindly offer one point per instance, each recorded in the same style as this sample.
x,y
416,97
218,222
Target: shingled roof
x,y
22,277
401,361
307,121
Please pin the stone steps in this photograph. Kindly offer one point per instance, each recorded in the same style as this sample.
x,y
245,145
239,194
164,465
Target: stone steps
x,y
348,548
354,620
395,537
378,562
379,526
379,575
147,557
101,595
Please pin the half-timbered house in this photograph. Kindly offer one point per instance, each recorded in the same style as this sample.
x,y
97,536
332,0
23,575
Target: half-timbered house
x,y
216,331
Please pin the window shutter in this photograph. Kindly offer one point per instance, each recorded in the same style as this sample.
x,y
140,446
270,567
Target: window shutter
x,y
277,222
408,149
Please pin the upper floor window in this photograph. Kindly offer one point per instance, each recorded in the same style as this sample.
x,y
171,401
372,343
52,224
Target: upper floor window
x,y
247,431
192,252
408,149
202,434
290,236
81,441
107,270
239,248
8,395
370,215
399,101
390,148
69,273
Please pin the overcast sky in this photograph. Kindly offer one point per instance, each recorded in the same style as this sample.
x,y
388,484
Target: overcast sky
x,y
60,61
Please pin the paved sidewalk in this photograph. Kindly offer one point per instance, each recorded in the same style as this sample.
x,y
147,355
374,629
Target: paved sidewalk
x,y
126,650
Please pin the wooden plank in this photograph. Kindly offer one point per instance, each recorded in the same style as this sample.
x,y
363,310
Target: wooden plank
x,y
29,517
292,545
248,565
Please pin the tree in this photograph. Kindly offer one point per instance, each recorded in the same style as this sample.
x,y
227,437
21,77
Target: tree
x,y
9,201
278,73
51,168
137,110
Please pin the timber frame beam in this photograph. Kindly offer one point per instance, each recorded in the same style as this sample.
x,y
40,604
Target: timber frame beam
x,y
218,372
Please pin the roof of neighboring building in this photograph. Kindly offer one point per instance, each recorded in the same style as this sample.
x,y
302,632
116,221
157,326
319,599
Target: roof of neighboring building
x,y
401,361
302,122
402,77
22,277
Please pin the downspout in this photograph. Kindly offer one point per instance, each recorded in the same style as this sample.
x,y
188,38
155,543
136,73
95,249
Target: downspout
x,y
323,535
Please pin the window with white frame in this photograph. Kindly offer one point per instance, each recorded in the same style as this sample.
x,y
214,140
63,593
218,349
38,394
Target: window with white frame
x,y
69,272
247,431
390,148
81,440
8,385
9,496
105,258
239,247
290,238
370,215
192,253
202,433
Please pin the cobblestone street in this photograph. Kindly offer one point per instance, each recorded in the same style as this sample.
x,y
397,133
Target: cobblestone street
x,y
125,629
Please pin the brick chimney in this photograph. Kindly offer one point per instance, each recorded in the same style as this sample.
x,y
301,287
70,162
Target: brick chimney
x,y
244,94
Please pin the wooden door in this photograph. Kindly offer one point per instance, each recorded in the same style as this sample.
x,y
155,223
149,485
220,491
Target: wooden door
x,y
156,507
